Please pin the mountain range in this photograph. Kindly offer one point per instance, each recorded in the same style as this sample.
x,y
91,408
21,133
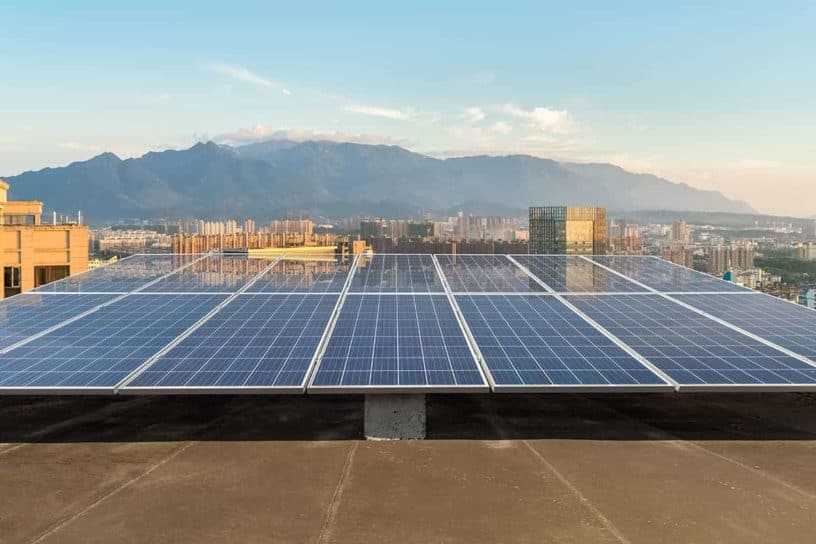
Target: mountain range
x,y
321,178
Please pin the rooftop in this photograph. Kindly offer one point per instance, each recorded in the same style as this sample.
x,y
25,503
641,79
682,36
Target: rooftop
x,y
496,468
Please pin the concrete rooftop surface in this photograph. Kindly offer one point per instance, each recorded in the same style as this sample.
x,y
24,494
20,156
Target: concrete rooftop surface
x,y
642,468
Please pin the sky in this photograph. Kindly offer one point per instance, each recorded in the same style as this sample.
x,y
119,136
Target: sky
x,y
716,95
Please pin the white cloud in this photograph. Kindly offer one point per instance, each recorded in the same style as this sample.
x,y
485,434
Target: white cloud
x,y
474,114
544,119
76,146
262,133
501,127
240,73
376,111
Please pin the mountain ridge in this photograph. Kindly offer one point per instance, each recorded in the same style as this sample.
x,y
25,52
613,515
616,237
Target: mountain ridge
x,y
266,179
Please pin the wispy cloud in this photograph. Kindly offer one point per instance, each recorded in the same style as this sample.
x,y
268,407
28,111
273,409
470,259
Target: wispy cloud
x,y
501,127
756,164
246,75
376,111
474,114
542,118
76,146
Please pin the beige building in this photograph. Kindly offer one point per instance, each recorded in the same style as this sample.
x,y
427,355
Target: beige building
x,y
33,254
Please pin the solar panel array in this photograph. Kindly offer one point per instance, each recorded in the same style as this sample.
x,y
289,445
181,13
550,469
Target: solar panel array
x,y
400,323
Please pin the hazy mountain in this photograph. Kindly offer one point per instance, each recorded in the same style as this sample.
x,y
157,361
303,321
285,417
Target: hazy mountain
x,y
266,179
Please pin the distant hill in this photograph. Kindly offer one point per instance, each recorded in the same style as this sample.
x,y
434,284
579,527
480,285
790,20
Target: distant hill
x,y
265,180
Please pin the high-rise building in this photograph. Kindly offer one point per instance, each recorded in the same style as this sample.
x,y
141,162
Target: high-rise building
x,y
680,232
33,254
683,256
571,230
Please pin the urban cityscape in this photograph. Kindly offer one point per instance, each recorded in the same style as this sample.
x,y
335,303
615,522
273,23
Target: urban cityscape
x,y
370,272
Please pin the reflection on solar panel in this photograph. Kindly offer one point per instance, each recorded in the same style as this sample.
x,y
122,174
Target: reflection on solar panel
x,y
121,277
29,314
214,274
574,274
784,323
101,349
303,275
665,276
255,341
486,273
537,342
396,273
692,349
397,342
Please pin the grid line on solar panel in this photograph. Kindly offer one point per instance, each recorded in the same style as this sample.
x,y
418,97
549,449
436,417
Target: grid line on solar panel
x,y
28,314
664,276
124,276
213,274
408,273
571,273
690,348
102,348
255,342
303,275
486,273
397,343
537,342
783,323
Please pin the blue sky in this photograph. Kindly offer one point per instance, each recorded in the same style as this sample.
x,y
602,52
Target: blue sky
x,y
720,96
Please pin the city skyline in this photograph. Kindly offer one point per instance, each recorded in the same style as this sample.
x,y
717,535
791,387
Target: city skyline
x,y
711,98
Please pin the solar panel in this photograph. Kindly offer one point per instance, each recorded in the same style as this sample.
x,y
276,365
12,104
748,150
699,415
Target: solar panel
x,y
101,349
486,273
574,274
253,342
784,323
692,349
121,277
396,274
665,276
304,275
214,274
537,342
28,314
400,342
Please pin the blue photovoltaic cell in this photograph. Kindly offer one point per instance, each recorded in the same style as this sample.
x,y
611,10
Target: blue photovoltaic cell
x,y
214,274
102,348
255,341
304,275
28,314
574,274
691,348
397,341
121,277
665,276
486,273
784,323
538,341
396,274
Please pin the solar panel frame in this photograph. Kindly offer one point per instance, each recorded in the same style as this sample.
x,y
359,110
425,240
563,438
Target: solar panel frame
x,y
322,382
229,316
664,276
663,331
562,345
276,281
30,314
204,276
786,324
386,273
486,274
124,276
74,349
561,272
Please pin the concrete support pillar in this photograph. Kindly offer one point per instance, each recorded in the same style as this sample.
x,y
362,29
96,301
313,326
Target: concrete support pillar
x,y
395,417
